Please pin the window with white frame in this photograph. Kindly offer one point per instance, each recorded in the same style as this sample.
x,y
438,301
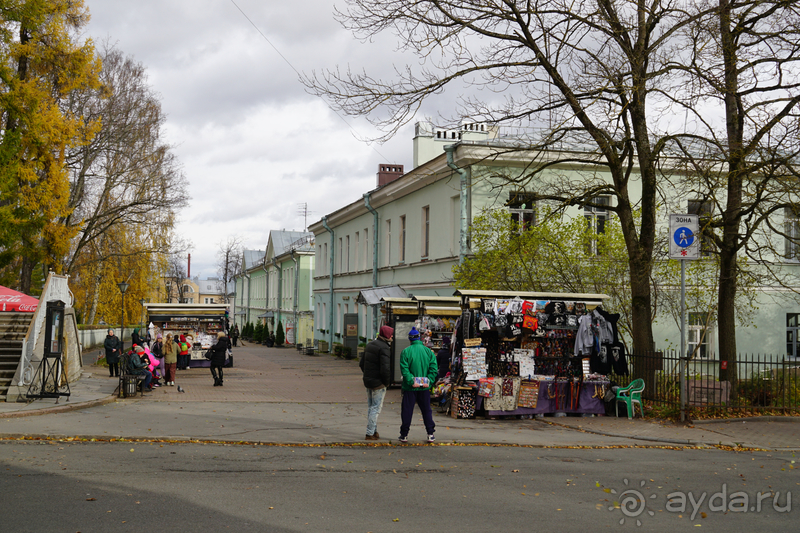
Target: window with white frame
x,y
698,336
367,260
347,253
341,255
704,209
388,242
596,215
357,251
426,231
792,340
522,207
792,230
402,243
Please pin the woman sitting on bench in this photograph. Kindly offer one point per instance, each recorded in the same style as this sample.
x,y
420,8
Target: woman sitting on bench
x,y
138,366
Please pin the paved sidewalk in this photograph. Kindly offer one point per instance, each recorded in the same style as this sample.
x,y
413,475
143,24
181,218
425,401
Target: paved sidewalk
x,y
277,395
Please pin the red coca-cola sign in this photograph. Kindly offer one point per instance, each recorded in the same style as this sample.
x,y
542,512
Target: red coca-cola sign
x,y
11,300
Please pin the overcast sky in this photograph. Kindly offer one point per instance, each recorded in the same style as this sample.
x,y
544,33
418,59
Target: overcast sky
x,y
253,144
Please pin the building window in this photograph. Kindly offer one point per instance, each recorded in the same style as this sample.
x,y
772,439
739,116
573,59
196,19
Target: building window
x,y
522,207
388,242
426,231
704,209
357,250
596,217
341,256
698,335
347,253
367,262
792,340
792,223
402,252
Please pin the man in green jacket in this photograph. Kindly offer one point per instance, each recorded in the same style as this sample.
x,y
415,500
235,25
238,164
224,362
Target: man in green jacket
x,y
417,361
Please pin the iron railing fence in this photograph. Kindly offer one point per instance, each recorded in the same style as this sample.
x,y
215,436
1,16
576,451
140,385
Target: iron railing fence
x,y
753,382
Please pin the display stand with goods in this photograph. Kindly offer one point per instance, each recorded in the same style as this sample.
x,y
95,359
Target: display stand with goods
x,y
525,354
199,323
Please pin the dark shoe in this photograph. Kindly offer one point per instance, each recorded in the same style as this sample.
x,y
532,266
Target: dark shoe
x,y
372,437
376,434
402,439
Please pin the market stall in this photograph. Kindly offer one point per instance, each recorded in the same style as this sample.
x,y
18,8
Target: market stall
x,y
524,353
199,323
400,314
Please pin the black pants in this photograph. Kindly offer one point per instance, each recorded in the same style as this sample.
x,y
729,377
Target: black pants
x,y
214,370
113,370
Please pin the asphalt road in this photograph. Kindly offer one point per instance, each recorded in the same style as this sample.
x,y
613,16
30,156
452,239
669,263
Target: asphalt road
x,y
125,486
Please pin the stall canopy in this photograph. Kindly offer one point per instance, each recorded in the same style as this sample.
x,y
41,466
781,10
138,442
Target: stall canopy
x,y
11,300
374,296
268,314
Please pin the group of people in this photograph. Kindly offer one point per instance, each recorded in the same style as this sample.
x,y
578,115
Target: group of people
x,y
419,369
162,359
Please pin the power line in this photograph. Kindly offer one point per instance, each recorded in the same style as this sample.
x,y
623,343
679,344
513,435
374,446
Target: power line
x,y
351,128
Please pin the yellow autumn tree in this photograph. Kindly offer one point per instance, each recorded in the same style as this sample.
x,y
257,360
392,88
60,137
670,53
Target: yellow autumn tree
x,y
41,63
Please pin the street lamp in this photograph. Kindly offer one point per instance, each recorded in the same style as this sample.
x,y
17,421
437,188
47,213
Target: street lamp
x,y
123,287
141,302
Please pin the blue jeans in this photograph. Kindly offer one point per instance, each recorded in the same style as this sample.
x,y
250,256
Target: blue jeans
x,y
374,406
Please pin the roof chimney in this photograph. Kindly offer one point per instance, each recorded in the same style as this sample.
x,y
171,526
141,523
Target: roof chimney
x,y
388,173
189,267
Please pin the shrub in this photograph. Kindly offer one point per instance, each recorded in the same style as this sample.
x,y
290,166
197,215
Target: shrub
x,y
258,332
279,338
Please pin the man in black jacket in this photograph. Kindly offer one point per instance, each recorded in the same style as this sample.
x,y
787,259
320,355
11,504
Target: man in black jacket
x,y
375,364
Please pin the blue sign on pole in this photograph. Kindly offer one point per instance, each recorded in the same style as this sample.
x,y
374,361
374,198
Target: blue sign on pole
x,y
683,237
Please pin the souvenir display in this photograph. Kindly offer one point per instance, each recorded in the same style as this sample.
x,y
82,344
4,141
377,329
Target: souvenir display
x,y
541,356
528,394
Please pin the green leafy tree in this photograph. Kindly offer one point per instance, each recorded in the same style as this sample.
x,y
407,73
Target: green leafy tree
x,y
558,255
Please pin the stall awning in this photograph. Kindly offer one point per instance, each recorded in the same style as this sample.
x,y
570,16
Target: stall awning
x,y
373,296
268,314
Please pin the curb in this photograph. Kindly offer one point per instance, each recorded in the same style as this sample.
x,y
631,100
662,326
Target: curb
x,y
767,418
681,442
60,408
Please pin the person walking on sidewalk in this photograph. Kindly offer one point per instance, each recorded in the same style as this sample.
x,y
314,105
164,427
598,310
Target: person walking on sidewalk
x,y
419,369
112,346
235,334
375,363
218,353
170,351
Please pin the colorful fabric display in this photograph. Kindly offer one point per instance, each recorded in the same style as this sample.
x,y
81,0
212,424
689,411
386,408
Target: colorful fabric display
x,y
486,387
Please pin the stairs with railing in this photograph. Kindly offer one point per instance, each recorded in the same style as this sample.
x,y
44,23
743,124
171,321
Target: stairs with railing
x,y
13,328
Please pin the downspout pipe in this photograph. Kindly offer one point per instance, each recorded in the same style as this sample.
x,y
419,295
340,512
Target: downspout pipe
x,y
330,273
280,295
374,258
462,252
295,298
248,296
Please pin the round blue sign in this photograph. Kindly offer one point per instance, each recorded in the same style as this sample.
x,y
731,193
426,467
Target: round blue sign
x,y
683,237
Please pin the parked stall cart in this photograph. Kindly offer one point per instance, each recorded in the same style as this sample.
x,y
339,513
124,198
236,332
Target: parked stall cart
x,y
200,323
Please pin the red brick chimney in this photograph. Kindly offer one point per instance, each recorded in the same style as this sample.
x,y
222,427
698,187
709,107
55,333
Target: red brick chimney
x,y
388,173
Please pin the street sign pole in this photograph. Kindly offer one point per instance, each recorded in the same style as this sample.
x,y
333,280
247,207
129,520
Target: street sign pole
x,y
684,244
682,372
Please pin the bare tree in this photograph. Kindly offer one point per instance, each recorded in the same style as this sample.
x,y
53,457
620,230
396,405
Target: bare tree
x,y
229,262
583,73
175,278
126,175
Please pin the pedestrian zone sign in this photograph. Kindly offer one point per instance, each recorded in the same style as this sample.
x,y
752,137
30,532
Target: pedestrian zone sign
x,y
684,237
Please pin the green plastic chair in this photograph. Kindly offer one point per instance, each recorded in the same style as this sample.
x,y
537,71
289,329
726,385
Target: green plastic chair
x,y
630,396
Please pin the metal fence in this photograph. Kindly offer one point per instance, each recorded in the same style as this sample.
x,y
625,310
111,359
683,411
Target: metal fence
x,y
754,382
